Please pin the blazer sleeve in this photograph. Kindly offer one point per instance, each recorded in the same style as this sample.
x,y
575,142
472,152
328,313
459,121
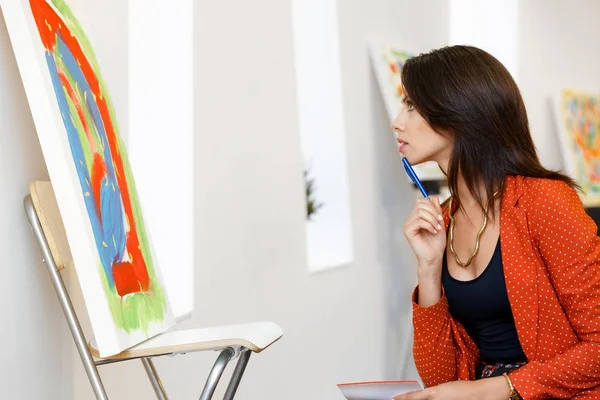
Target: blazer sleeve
x,y
442,349
570,248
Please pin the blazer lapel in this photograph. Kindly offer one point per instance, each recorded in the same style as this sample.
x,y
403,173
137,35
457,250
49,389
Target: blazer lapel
x,y
520,265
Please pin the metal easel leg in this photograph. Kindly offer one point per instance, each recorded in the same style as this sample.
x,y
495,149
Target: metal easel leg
x,y
216,372
237,374
65,302
154,379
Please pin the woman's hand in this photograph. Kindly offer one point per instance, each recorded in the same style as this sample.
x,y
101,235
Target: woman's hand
x,y
484,389
424,229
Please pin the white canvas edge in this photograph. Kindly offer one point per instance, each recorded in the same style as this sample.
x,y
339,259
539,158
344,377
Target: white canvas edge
x,y
44,110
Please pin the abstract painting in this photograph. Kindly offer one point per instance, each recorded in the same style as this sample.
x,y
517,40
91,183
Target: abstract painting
x,y
578,121
387,61
90,172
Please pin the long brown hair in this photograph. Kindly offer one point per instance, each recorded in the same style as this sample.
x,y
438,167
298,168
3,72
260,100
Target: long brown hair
x,y
465,91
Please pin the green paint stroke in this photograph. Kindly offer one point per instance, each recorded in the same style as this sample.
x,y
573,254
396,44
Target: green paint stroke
x,y
134,311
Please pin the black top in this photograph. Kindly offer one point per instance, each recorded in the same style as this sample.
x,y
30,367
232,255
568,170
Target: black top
x,y
482,306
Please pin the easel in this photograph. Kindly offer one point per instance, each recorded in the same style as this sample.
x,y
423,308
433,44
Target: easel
x,y
231,341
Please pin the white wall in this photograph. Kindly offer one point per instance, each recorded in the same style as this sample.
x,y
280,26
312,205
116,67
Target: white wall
x,y
558,49
489,25
35,361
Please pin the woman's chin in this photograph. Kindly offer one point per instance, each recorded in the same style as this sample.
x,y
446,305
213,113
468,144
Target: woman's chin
x,y
415,159
412,159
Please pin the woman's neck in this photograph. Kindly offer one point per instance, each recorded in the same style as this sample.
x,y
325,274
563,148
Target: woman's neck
x,y
467,199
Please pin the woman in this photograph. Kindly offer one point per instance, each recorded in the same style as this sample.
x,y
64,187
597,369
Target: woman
x,y
508,268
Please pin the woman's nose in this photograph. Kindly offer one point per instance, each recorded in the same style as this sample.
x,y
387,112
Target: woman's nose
x,y
397,125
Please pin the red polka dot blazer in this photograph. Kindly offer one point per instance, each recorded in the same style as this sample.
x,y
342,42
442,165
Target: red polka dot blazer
x,y
551,257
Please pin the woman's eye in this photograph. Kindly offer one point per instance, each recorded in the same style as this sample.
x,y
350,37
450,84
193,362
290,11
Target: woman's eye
x,y
410,106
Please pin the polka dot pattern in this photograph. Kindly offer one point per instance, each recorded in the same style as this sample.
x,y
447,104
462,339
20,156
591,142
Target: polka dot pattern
x,y
551,258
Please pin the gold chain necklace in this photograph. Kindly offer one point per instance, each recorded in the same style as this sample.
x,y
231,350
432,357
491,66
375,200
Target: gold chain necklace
x,y
477,238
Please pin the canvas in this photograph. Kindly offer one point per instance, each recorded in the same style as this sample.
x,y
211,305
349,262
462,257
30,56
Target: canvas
x,y
578,121
90,172
387,61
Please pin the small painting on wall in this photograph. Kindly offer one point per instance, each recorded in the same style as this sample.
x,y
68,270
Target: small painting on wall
x,y
578,121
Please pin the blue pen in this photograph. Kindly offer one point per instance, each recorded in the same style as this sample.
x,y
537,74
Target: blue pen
x,y
413,176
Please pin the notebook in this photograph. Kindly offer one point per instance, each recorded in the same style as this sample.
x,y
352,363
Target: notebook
x,y
377,390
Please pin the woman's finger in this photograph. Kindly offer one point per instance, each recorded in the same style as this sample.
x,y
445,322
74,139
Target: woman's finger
x,y
432,207
419,224
426,215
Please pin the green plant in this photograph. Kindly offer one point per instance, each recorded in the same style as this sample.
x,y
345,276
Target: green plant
x,y
311,203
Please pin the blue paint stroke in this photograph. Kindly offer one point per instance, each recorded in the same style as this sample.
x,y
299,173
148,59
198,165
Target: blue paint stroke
x,y
108,225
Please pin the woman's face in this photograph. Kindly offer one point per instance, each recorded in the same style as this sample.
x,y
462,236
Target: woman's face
x,y
417,139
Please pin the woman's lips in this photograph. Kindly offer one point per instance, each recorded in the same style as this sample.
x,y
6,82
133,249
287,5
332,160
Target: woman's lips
x,y
402,145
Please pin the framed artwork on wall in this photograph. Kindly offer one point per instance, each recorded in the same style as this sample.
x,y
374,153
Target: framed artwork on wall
x,y
578,121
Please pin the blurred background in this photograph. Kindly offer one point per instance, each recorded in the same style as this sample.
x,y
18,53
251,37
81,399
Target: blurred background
x,y
282,191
